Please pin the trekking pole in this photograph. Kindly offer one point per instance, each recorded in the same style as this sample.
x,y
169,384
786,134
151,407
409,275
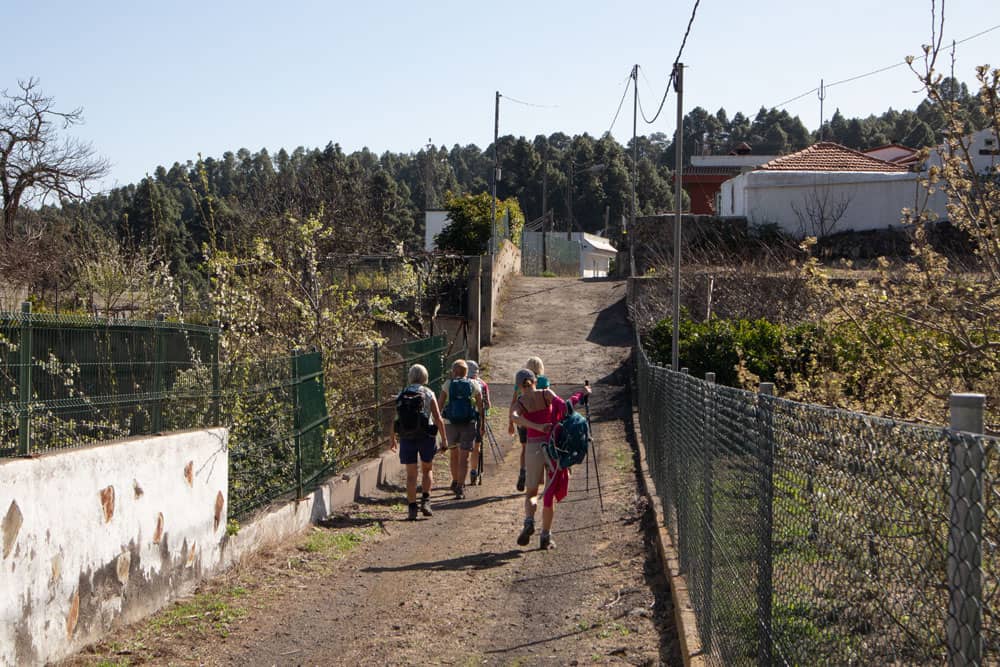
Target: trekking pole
x,y
593,445
494,445
586,459
482,455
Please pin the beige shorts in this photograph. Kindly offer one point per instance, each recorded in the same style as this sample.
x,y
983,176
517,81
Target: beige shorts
x,y
535,459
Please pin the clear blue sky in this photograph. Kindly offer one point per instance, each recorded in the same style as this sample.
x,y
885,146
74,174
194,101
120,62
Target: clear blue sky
x,y
160,82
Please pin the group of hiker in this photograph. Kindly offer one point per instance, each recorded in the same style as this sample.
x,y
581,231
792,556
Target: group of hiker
x,y
458,417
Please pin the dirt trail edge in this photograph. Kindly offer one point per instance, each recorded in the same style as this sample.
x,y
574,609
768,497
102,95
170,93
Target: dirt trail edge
x,y
369,588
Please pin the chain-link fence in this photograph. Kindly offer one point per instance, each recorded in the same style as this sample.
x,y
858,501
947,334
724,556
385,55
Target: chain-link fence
x,y
809,535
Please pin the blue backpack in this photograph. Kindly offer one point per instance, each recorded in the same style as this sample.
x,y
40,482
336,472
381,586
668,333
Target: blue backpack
x,y
459,409
571,440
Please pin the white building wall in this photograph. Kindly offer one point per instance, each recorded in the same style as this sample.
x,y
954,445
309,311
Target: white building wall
x,y
103,535
876,200
434,222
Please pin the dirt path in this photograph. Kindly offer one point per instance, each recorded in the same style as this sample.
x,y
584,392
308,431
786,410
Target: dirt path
x,y
369,588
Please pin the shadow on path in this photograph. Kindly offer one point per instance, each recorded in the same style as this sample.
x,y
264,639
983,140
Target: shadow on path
x,y
481,561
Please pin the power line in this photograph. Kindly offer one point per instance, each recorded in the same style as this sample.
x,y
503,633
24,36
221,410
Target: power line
x,y
880,69
529,104
680,52
615,119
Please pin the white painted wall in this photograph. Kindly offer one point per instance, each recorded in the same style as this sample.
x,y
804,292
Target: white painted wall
x,y
434,222
104,535
876,199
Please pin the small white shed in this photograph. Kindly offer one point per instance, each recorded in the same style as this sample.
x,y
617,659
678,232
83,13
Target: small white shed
x,y
596,253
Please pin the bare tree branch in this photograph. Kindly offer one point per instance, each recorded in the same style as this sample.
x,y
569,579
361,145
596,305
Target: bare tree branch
x,y
35,162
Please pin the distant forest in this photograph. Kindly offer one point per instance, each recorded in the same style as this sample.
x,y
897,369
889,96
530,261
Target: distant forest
x,y
370,203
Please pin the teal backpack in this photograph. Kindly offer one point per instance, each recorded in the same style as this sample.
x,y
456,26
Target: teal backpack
x,y
570,440
459,409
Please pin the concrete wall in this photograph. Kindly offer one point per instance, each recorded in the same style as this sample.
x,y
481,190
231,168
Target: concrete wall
x,y
98,537
875,200
101,536
506,264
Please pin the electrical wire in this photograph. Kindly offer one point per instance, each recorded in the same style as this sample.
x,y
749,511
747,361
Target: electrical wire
x,y
680,52
880,69
529,104
628,82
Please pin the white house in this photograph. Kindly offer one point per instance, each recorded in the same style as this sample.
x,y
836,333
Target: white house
x,y
823,189
434,221
984,151
596,253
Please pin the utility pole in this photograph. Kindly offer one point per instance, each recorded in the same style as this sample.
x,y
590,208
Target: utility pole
x,y
678,173
496,175
635,166
572,188
545,243
821,94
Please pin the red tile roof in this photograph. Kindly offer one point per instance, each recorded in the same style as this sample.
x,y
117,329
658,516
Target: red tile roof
x,y
828,156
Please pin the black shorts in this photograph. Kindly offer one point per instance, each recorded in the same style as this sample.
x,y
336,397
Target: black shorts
x,y
522,434
409,449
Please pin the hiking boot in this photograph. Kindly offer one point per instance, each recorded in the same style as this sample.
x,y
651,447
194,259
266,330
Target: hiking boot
x,y
425,506
454,486
520,480
459,491
545,541
412,514
473,475
526,533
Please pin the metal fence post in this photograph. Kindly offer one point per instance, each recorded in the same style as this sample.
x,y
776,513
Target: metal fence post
x,y
377,379
707,493
24,383
216,414
765,449
156,409
297,421
965,575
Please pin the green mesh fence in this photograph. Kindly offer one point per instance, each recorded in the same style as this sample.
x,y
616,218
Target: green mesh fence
x,y
70,381
549,252
814,536
277,415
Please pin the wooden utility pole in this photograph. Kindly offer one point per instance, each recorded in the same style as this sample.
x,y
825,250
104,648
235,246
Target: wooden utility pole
x,y
635,166
496,175
678,174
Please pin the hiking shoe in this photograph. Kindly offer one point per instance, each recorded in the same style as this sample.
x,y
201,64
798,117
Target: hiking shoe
x,y
459,492
545,542
412,514
454,486
520,480
425,506
473,474
526,533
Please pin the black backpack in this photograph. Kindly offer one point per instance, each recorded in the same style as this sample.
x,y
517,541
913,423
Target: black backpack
x,y
411,422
